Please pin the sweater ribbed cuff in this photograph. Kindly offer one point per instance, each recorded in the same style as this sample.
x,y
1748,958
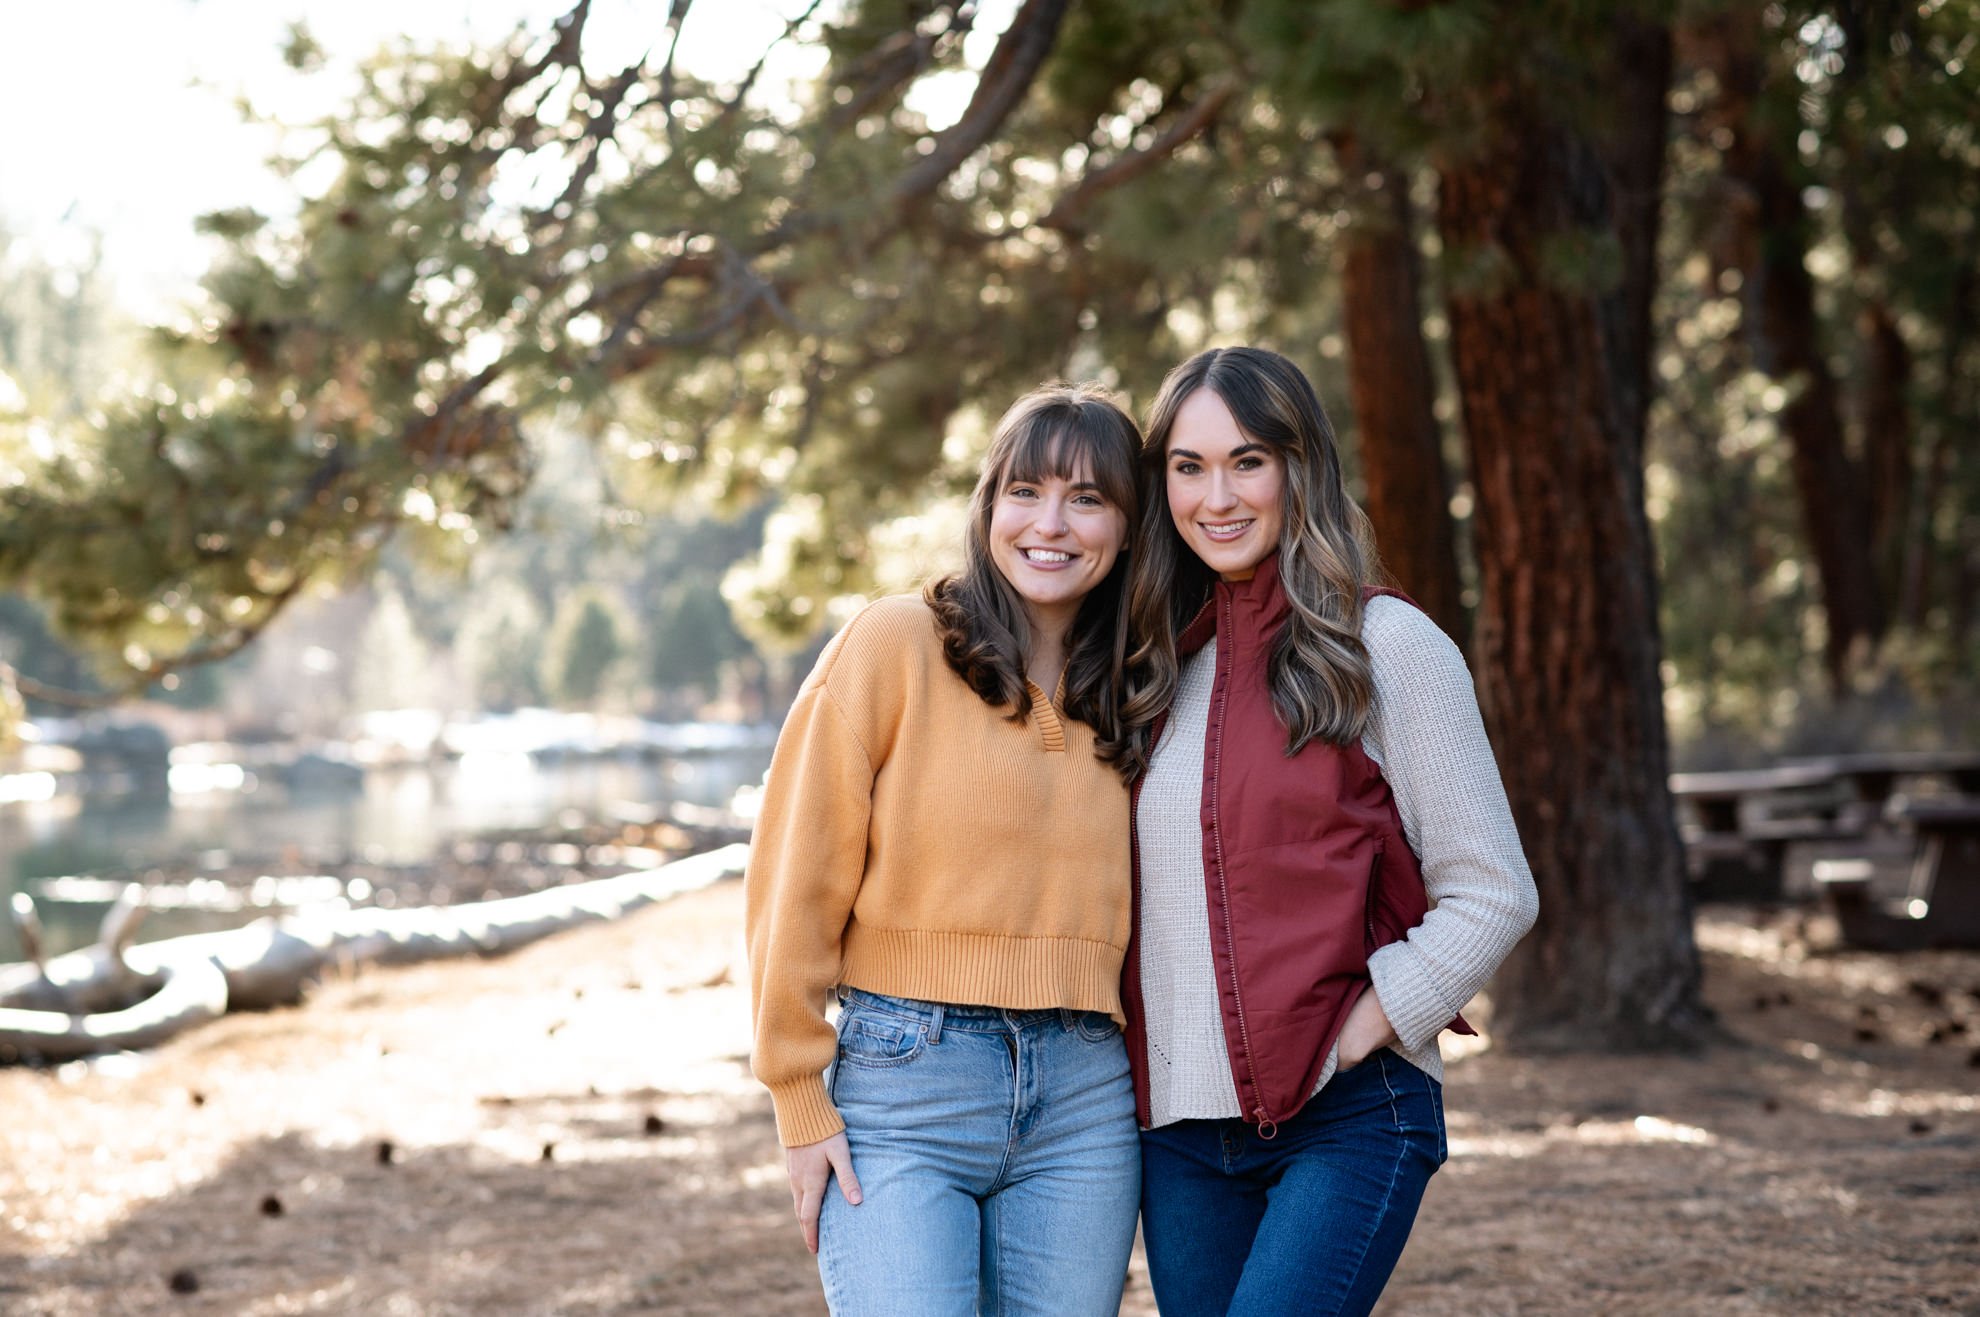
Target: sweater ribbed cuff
x,y
1415,1009
804,1113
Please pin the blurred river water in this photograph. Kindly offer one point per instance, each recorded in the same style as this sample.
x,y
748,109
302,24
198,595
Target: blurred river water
x,y
406,815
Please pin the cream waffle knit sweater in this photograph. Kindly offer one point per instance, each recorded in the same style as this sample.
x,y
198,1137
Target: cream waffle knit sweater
x,y
1428,738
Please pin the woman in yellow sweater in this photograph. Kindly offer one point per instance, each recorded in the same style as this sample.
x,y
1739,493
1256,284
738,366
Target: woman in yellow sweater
x,y
945,848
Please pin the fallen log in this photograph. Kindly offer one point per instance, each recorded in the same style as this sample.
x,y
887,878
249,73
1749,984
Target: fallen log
x,y
116,996
27,929
179,996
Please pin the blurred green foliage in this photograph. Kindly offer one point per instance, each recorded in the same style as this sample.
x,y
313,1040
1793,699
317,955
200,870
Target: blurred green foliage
x,y
586,650
804,310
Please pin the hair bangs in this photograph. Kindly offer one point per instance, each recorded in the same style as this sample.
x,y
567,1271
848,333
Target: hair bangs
x,y
1082,444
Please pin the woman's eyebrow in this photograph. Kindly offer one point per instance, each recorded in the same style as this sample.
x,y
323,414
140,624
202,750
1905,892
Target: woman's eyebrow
x,y
1239,451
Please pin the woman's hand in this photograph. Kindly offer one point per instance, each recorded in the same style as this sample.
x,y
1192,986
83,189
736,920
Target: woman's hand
x,y
1366,1031
810,1166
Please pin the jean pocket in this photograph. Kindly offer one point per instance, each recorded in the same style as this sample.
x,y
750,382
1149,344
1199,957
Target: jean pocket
x,y
1418,1101
1095,1027
1437,1111
878,1040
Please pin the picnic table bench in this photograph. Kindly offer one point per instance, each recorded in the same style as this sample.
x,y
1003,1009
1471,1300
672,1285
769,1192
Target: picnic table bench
x,y
1875,776
1715,798
1737,825
1900,867
1936,898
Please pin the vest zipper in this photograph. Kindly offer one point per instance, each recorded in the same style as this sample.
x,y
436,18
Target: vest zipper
x,y
1267,1128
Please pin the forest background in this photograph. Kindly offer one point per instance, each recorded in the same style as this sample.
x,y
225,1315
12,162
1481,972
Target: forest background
x,y
579,375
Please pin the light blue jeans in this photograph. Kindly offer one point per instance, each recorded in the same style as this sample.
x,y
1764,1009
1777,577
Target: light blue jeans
x,y
998,1158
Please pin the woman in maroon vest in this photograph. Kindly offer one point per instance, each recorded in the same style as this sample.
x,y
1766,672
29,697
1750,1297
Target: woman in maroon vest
x,y
1326,867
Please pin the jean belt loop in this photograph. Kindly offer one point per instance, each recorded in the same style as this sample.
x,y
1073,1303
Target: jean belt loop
x,y
935,1023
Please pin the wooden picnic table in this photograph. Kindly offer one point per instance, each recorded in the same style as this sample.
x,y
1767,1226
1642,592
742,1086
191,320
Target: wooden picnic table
x,y
1883,837
1935,900
1875,775
1714,798
1737,825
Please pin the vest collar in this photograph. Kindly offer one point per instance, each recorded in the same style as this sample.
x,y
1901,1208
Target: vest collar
x,y
1257,607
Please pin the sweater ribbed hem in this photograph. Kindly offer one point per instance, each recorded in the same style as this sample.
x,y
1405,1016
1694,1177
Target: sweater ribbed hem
x,y
804,1113
985,969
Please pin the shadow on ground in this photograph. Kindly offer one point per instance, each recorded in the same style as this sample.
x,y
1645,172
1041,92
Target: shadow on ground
x,y
628,1202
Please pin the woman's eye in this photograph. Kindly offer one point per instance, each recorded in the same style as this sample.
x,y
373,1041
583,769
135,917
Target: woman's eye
x,y
1186,468
1021,491
1091,501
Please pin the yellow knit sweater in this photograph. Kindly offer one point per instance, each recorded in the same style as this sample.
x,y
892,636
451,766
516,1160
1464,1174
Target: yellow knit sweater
x,y
914,841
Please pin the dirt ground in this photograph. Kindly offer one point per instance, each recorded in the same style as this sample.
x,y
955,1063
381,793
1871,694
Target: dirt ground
x,y
574,1130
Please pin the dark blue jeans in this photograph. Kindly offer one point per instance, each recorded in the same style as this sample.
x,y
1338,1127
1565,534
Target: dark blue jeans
x,y
1309,1221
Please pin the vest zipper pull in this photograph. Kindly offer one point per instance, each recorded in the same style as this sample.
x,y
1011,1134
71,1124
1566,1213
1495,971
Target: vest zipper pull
x,y
1267,1129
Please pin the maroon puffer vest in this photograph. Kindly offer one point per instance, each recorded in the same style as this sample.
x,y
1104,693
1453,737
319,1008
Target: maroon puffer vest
x,y
1306,870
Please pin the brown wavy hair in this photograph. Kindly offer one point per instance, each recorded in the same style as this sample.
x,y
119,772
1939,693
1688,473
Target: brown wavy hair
x,y
1322,685
1053,430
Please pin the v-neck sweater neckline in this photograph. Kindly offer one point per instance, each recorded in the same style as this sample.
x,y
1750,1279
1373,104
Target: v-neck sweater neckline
x,y
1051,727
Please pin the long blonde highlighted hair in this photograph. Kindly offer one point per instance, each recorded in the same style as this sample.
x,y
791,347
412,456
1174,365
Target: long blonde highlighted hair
x,y
1321,682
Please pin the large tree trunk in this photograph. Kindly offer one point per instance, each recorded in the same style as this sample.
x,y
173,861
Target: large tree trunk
x,y
1567,646
1883,412
1921,547
1633,161
1783,328
1783,331
1887,440
1402,457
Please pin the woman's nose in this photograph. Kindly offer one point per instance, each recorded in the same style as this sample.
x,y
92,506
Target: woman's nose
x,y
1052,516
1223,494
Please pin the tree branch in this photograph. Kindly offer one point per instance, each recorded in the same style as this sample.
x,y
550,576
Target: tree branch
x,y
1013,66
677,12
743,88
565,50
143,678
12,678
888,66
1068,212
599,129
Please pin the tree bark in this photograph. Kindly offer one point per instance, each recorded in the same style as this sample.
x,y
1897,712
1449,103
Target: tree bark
x,y
1407,489
1567,644
1883,412
1921,551
1633,160
1887,440
1782,330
